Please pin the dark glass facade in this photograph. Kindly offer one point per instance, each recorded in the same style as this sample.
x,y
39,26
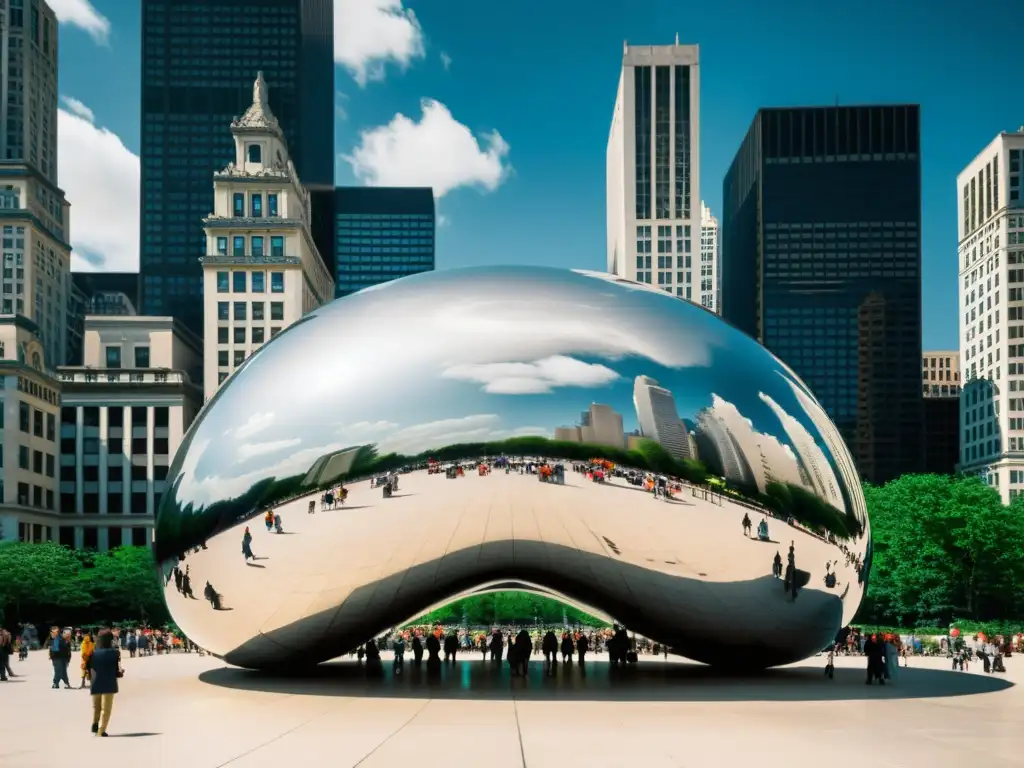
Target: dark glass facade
x,y
381,234
941,434
199,61
642,137
822,264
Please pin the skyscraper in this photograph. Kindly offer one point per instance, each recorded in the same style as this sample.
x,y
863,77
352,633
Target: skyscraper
x,y
198,61
710,258
33,211
658,417
991,281
652,171
822,263
381,234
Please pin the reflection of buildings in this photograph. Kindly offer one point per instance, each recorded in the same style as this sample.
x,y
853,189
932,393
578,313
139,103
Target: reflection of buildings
x,y
710,259
822,208
816,469
600,425
333,466
652,168
719,450
658,417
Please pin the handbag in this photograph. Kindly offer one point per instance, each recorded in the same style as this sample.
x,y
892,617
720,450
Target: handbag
x,y
120,672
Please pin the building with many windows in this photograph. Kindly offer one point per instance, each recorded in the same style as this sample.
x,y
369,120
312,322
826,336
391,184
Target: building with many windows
x,y
122,417
653,171
710,252
196,59
262,270
991,284
28,85
940,373
381,234
29,407
822,264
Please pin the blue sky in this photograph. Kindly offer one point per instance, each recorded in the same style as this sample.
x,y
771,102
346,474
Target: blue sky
x,y
543,74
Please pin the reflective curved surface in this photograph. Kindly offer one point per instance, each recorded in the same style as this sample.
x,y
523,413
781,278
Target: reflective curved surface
x,y
642,457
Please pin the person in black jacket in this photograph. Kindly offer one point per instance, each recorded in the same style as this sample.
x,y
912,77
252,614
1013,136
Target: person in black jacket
x,y
550,648
104,667
433,651
60,656
567,648
451,647
582,646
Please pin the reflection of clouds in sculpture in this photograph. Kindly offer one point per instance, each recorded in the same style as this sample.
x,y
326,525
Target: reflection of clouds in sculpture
x,y
248,451
256,423
534,378
409,441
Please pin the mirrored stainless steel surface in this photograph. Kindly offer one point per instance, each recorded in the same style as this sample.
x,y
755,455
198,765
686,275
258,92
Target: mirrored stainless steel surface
x,y
642,457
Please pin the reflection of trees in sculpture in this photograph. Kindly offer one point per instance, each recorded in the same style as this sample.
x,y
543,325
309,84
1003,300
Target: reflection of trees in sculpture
x,y
507,607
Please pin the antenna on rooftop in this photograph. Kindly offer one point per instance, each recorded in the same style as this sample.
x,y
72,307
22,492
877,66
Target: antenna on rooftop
x,y
677,38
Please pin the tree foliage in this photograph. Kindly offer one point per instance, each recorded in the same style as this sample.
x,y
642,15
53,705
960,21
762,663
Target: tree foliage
x,y
507,607
943,548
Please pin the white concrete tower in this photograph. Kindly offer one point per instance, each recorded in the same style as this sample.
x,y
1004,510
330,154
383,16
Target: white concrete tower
x,y
991,284
653,170
710,250
262,271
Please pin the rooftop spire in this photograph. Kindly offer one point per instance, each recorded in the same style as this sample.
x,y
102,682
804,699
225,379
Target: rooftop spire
x,y
259,115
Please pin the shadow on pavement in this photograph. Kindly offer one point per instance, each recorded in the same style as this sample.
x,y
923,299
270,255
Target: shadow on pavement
x,y
648,681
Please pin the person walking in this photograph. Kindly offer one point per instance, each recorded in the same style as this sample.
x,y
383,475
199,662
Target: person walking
x,y
87,649
6,648
105,669
60,656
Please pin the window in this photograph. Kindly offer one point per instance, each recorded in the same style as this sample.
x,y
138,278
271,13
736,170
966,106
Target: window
x,y
90,538
238,246
24,417
222,282
37,462
222,376
256,206
277,310
50,465
222,358
257,246
238,282
257,310
240,310
272,204
23,456
37,422
138,505
257,335
222,335
274,332
259,280
255,153
277,246
113,357
51,427
277,282
239,357
240,335
222,310
115,504
161,416
222,246
142,357
239,204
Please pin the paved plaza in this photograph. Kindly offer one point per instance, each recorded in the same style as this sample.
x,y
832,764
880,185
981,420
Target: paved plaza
x,y
188,711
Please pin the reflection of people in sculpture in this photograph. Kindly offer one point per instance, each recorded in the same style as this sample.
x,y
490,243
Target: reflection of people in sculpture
x,y
312,507
433,650
247,545
269,520
550,649
451,647
762,529
777,566
567,648
747,525
582,646
277,523
497,645
398,646
830,577
211,594
186,585
789,585
417,648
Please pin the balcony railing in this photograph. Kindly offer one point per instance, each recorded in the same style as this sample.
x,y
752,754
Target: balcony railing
x,y
228,259
114,376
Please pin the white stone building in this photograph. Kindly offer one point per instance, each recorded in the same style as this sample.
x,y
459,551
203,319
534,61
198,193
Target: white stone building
x,y
710,259
262,271
940,373
29,411
599,425
658,417
123,415
991,284
653,170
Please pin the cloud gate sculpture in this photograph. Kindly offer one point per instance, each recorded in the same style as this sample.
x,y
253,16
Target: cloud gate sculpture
x,y
578,435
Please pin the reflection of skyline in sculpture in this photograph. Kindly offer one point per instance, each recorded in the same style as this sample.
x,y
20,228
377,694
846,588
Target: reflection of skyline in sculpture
x,y
600,425
816,470
719,451
658,417
836,448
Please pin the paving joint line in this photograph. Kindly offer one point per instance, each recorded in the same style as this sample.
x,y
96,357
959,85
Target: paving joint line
x,y
519,731
276,738
392,735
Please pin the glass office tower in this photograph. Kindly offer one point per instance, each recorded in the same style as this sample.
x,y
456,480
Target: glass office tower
x,y
199,60
381,234
822,264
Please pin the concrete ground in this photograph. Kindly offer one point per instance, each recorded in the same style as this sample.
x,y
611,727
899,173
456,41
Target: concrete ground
x,y
191,711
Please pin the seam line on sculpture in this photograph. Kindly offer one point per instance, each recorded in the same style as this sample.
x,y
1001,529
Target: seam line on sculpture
x,y
519,731
271,741
390,736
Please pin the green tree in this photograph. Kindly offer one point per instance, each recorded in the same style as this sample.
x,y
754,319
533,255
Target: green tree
x,y
126,584
41,579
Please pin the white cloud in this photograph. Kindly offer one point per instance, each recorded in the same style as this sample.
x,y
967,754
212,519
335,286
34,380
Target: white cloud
x,y
438,152
446,61
82,14
477,428
442,220
370,33
100,177
340,99
255,424
248,451
534,378
78,108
